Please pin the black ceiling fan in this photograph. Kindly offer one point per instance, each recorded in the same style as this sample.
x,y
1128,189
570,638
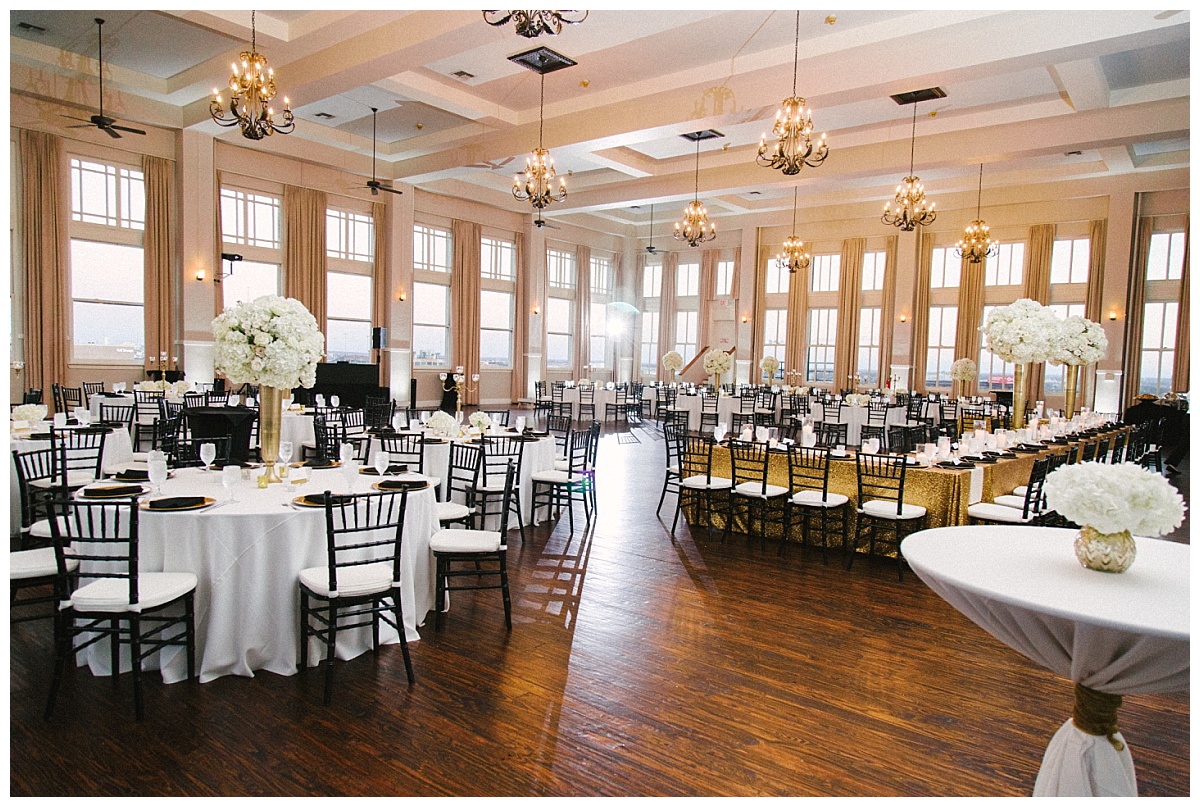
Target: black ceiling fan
x,y
101,122
374,185
539,222
650,248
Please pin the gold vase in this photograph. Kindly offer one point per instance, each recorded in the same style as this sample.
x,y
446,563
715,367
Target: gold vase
x,y
717,383
1072,383
1018,409
270,413
1105,552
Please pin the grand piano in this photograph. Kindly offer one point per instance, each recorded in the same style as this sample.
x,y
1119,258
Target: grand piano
x,y
352,383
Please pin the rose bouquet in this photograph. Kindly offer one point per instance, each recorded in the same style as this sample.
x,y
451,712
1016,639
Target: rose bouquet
x,y
480,420
769,365
272,341
717,362
963,370
1114,498
443,424
1080,341
672,360
1022,333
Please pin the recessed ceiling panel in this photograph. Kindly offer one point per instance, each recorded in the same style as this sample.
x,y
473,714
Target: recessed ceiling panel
x,y
1136,68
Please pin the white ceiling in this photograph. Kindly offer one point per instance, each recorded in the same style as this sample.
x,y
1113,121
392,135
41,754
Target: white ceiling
x,y
1023,88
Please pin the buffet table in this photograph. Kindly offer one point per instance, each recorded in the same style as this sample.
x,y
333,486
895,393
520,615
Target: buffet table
x,y
1113,634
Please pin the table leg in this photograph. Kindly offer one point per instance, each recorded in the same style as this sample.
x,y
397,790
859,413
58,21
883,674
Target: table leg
x,y
1088,756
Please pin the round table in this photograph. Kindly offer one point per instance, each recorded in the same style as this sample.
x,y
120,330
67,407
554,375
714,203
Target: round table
x,y
1116,634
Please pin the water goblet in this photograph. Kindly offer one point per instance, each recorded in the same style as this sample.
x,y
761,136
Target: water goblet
x,y
346,454
285,451
382,461
230,476
424,418
334,401
208,453
157,472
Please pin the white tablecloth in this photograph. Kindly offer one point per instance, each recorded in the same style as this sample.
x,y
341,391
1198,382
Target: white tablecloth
x,y
1121,634
248,555
855,417
600,398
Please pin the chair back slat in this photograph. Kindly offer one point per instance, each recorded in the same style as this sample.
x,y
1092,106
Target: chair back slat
x,y
750,461
364,529
405,449
881,476
808,469
103,537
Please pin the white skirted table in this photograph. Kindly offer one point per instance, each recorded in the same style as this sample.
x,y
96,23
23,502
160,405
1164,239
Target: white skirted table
x,y
1112,634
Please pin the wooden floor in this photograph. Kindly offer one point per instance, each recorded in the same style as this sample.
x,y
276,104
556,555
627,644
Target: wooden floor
x,y
638,664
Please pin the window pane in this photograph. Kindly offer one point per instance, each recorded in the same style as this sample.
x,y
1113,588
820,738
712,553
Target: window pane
x,y
652,281
560,268
349,296
495,348
1156,260
249,281
347,340
1152,326
430,304
558,315
430,346
599,319
495,309
431,249
108,332
107,272
557,350
498,258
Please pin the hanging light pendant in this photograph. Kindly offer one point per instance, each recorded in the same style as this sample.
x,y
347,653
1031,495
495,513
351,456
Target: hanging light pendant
x,y
791,147
911,207
531,24
695,228
538,187
793,255
251,88
976,244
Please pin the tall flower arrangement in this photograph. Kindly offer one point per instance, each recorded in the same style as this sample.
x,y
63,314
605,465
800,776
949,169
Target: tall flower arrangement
x,y
963,370
717,362
1080,341
672,360
769,365
1022,333
271,341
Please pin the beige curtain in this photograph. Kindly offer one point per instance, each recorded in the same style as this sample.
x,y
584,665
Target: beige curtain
x,y
1097,248
970,317
1183,343
797,313
666,311
45,214
464,303
1037,287
158,257
758,312
583,311
708,292
381,290
887,316
520,362
845,361
1135,304
639,323
920,319
304,265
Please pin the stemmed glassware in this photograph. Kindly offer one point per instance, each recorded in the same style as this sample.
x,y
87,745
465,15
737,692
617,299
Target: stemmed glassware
x,y
346,454
208,453
157,472
285,451
230,476
424,417
382,461
333,401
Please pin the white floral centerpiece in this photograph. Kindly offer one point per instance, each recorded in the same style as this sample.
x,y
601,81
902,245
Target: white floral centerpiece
x,y
443,424
480,420
30,413
1111,502
271,341
717,362
672,360
1022,333
963,370
1080,341
769,365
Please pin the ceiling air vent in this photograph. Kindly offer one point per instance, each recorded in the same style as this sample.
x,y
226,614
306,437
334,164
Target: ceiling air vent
x,y
324,115
463,74
706,134
919,95
542,60
31,28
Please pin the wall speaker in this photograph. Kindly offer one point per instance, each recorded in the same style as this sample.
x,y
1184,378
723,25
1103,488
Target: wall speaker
x,y
378,338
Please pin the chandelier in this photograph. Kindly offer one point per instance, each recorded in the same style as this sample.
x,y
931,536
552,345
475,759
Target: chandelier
x,y
911,207
538,188
976,243
793,255
535,23
791,148
251,88
695,229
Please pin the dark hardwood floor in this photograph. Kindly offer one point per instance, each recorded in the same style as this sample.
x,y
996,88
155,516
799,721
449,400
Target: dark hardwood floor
x,y
638,664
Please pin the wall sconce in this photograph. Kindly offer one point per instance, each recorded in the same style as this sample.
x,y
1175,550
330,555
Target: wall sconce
x,y
1112,315
904,317
200,274
402,296
745,318
537,310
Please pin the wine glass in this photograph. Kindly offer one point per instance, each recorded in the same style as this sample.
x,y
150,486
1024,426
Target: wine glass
x,y
424,418
230,476
285,451
208,453
346,453
157,471
334,401
382,461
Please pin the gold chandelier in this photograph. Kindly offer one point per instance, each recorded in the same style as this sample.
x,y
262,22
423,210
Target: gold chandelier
x,y
976,243
695,229
911,207
791,148
251,88
538,188
793,255
531,24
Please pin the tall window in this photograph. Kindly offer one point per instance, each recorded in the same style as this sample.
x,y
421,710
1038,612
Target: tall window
x,y
1069,261
248,281
108,213
687,334
822,338
652,280
349,236
868,346
724,278
431,249
601,275
495,328
350,256
825,269
994,372
433,255
598,348
560,268
778,278
1056,377
944,269
775,336
687,280
649,342
1005,267
250,227
943,320
873,266
498,259
1164,272
559,322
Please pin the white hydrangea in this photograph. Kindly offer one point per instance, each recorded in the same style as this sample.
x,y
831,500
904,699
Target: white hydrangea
x,y
1021,333
1114,498
272,341
717,362
672,360
769,365
443,424
30,413
1080,341
963,370
480,420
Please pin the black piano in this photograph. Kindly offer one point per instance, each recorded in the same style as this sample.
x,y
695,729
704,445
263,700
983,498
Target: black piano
x,y
352,383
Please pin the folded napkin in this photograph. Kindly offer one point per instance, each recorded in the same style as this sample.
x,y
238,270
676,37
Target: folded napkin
x,y
319,498
391,469
111,491
985,459
381,430
1027,449
133,475
176,502
320,462
956,466
402,484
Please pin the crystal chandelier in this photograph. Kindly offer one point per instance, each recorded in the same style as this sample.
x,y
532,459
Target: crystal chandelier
x,y
976,243
793,255
531,24
911,207
695,229
251,88
791,148
538,188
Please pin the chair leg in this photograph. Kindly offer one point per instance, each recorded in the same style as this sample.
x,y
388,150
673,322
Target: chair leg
x,y
403,637
330,653
787,526
135,653
304,625
62,655
440,593
189,607
661,498
504,592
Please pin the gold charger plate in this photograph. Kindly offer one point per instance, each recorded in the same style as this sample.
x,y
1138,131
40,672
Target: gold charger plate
x,y
402,484
208,502
101,493
333,464
303,501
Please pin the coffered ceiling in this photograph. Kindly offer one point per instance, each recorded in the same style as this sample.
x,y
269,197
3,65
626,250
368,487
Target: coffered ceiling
x,y
1037,96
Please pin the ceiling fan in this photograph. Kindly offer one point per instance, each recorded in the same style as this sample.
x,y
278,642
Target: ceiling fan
x,y
374,185
101,122
650,248
539,222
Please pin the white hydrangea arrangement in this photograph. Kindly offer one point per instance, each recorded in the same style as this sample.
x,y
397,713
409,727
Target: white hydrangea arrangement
x,y
30,413
963,370
858,399
1022,333
1080,341
717,362
1114,498
272,341
480,420
672,360
443,424
769,365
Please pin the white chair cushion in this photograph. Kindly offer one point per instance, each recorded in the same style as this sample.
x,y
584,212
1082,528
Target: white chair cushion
x,y
556,477
996,512
1020,490
75,479
1011,501
452,511
812,498
563,465
352,580
672,470
35,563
756,489
465,541
560,457
885,509
707,483
112,595
41,529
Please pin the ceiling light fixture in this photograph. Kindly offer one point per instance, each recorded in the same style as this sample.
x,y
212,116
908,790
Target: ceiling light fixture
x,y
532,24
911,207
696,229
538,188
793,255
251,88
791,148
976,243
